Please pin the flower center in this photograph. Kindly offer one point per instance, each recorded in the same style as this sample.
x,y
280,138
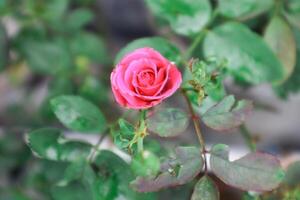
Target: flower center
x,y
146,78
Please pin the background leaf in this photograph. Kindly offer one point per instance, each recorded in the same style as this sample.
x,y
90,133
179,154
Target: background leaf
x,y
280,37
205,189
90,46
255,171
106,178
72,191
159,44
292,84
48,57
78,18
227,114
93,181
3,48
243,9
78,114
49,144
186,17
187,164
167,122
249,58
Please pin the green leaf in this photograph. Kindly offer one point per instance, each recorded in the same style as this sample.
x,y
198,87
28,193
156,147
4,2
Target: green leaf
x,y
279,36
56,87
88,88
109,164
74,171
54,10
167,122
124,136
48,57
292,177
227,114
205,189
73,191
78,18
78,114
177,171
206,78
106,178
243,9
186,17
97,183
3,47
159,44
49,144
249,58
11,192
255,171
90,46
145,164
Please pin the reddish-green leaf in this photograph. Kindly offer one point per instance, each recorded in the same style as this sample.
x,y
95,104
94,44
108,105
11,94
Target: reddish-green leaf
x,y
167,122
177,171
227,114
255,171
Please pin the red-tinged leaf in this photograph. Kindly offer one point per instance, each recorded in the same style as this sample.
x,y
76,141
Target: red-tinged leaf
x,y
177,171
227,114
255,171
168,122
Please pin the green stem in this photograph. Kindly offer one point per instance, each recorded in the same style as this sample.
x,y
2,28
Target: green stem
x,y
247,137
194,45
142,124
278,6
96,147
140,145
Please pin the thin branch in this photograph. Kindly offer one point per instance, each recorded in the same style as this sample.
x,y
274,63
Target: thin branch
x,y
194,45
197,127
96,147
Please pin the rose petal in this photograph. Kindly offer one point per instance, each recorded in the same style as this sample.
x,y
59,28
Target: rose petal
x,y
143,79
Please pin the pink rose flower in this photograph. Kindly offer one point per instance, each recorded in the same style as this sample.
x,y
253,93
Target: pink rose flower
x,y
143,78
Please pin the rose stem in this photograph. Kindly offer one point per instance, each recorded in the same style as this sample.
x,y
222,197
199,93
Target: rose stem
x,y
196,126
140,142
247,137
